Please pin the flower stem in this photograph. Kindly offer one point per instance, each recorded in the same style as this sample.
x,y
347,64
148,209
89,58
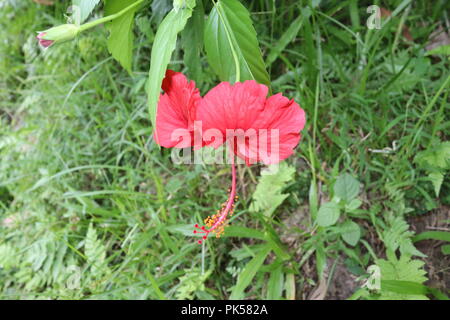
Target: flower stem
x,y
111,17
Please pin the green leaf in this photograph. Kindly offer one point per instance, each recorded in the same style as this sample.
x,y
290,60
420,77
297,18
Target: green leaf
x,y
275,284
353,205
95,252
243,232
321,260
120,41
432,235
346,187
401,279
275,244
350,232
289,286
435,160
328,214
159,9
444,50
436,179
398,236
248,273
192,281
229,31
287,37
404,287
267,196
192,42
163,47
181,4
82,9
313,199
411,288
446,249
8,256
184,229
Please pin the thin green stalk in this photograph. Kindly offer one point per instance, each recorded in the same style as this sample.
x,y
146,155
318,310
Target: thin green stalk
x,y
111,17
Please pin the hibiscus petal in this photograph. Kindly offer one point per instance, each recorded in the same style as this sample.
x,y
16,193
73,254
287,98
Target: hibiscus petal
x,y
284,119
176,112
231,107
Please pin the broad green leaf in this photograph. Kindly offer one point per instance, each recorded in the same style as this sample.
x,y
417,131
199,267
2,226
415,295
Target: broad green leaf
x,y
248,273
350,232
229,31
287,37
353,205
275,284
81,9
192,42
346,187
328,214
120,41
163,47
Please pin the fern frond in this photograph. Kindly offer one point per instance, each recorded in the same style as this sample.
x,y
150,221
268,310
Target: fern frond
x,y
268,194
398,237
95,253
403,269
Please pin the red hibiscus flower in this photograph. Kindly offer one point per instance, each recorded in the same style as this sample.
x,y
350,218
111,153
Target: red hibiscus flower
x,y
255,127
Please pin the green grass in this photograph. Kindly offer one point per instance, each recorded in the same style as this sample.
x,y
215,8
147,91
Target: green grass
x,y
91,208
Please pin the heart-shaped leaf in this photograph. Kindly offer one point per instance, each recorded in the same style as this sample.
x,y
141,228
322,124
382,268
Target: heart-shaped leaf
x,y
350,232
346,187
328,214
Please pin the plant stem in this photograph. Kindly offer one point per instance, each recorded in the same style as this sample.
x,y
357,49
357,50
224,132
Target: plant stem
x,y
111,17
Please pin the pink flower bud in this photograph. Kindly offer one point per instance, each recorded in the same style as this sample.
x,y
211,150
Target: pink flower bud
x,y
43,42
58,34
